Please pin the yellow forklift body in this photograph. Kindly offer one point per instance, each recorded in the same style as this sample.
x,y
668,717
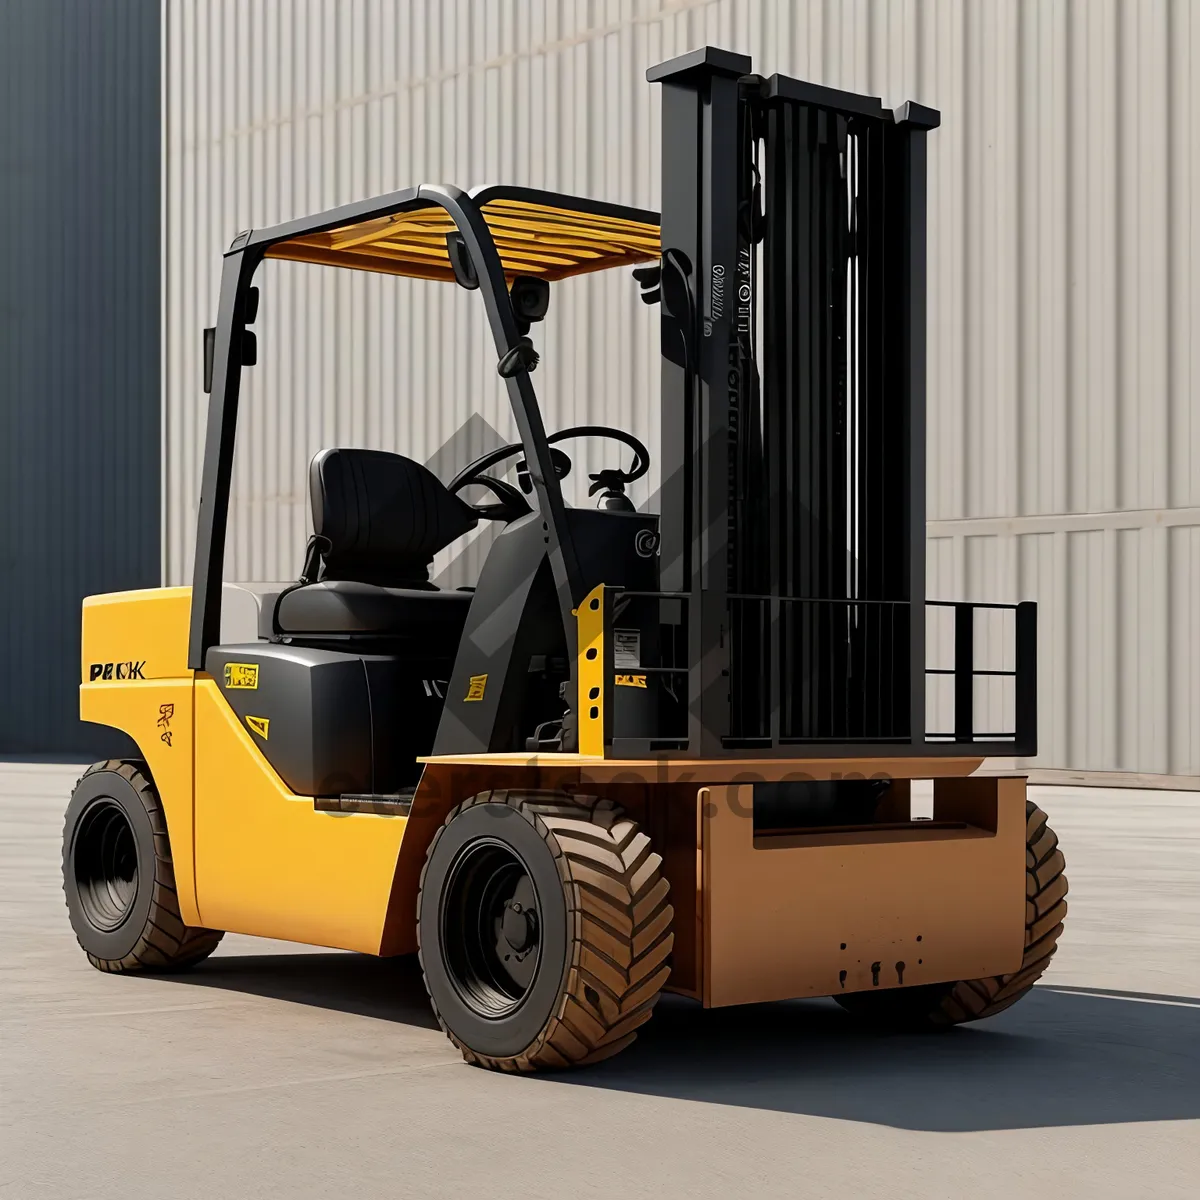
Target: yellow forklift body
x,y
249,855
267,861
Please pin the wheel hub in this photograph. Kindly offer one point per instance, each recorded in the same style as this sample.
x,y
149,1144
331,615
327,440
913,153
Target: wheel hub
x,y
518,926
491,928
105,864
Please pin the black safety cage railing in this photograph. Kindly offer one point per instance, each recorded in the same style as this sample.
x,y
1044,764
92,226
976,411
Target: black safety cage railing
x,y
806,706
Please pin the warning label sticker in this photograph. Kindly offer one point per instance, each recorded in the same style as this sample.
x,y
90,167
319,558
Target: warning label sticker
x,y
627,648
241,675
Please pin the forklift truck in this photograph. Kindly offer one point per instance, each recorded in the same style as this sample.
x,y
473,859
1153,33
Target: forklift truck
x,y
647,751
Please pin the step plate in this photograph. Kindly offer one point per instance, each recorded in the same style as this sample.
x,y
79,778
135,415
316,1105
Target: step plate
x,y
398,805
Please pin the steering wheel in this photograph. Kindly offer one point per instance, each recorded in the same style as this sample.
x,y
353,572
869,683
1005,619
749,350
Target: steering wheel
x,y
511,504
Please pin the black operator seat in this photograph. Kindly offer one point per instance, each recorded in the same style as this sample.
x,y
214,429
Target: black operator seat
x,y
378,520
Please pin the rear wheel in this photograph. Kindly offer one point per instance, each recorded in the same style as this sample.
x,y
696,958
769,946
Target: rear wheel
x,y
941,1005
544,929
118,876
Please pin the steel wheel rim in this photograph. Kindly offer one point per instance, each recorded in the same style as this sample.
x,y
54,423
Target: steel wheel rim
x,y
105,866
491,925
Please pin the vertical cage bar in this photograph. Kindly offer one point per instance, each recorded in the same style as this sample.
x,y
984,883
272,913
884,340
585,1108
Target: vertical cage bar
x,y
964,672
1026,690
912,123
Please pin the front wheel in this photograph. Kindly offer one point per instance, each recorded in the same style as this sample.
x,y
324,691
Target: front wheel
x,y
940,1005
118,876
544,929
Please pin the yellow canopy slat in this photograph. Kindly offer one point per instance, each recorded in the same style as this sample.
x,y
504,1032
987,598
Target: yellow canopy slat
x,y
531,238
565,234
573,216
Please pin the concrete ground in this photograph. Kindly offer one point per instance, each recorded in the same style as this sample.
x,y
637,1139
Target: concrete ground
x,y
273,1071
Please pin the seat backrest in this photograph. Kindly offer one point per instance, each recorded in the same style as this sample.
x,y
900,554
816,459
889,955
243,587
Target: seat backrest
x,y
380,518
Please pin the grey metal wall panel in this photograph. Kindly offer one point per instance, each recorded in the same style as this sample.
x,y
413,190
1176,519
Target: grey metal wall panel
x,y
1064,279
80,162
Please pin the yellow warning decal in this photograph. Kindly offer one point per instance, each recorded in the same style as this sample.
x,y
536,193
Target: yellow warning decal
x,y
631,681
259,725
241,675
476,687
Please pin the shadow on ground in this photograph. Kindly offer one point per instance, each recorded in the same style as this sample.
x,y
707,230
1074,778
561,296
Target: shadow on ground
x,y
1063,1056
1057,1058
390,989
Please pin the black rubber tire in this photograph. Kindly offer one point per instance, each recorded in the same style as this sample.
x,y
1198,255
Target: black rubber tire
x,y
134,925
941,1005
605,930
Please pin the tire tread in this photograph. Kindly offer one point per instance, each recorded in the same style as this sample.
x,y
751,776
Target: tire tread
x,y
166,943
1048,897
618,905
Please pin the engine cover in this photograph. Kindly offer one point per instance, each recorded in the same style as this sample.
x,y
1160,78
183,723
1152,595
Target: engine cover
x,y
331,722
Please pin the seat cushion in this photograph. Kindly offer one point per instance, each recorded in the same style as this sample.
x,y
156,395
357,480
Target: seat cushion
x,y
381,517
348,607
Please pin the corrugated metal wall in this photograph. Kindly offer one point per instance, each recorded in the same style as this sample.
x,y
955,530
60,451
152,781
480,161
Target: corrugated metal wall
x,y
1064,279
80,166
